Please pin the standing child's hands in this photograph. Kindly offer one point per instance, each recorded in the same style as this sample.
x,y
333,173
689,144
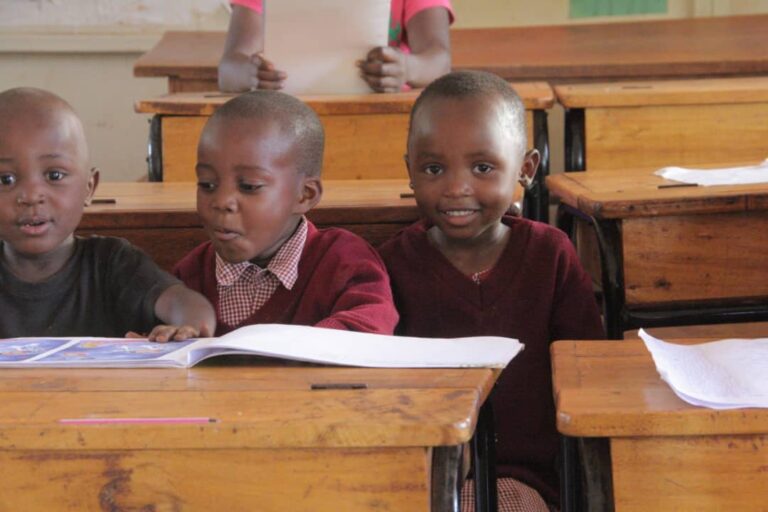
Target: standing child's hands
x,y
239,72
385,69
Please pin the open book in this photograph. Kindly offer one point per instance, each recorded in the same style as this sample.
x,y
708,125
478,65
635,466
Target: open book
x,y
298,343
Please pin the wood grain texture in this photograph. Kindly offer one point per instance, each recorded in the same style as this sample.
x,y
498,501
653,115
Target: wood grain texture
x,y
161,218
727,46
682,135
695,257
612,389
691,473
635,192
313,480
245,418
535,96
364,146
668,92
276,443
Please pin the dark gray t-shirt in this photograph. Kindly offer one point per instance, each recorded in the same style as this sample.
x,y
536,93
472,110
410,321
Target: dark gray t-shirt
x,y
107,288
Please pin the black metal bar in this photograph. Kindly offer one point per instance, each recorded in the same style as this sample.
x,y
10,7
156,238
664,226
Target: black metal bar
x,y
446,478
612,266
154,149
536,203
569,475
696,314
575,142
484,460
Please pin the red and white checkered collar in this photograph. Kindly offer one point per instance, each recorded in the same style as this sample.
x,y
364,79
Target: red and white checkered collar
x,y
284,265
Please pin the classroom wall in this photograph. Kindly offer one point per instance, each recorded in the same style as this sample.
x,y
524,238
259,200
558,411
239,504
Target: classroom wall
x,y
84,51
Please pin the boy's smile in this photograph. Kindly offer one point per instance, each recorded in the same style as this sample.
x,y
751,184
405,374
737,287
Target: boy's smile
x,y
464,162
250,192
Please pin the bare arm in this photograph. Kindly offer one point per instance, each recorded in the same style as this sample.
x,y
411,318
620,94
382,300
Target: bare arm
x,y
241,67
387,69
186,313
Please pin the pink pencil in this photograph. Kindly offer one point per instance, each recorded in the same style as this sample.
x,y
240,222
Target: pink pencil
x,y
136,421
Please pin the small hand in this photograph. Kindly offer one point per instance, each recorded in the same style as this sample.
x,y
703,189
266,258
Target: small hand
x,y
239,73
165,333
385,69
268,76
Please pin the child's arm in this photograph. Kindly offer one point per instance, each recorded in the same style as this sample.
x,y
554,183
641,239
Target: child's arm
x,y
241,67
185,313
364,303
387,69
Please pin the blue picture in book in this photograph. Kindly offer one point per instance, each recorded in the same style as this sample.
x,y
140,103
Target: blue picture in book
x,y
20,349
115,350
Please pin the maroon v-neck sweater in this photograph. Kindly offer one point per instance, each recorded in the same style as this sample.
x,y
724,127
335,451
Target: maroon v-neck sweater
x,y
537,293
342,284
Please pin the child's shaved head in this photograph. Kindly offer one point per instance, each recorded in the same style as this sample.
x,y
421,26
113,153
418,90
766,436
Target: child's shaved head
x,y
474,84
294,118
42,108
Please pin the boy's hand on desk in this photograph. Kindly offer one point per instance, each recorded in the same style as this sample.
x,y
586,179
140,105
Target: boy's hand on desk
x,y
239,72
165,333
385,69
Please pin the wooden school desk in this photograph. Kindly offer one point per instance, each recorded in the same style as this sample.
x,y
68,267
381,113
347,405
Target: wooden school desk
x,y
161,218
664,453
365,135
658,123
673,256
276,443
697,47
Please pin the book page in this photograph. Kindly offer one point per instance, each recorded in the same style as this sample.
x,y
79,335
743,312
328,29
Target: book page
x,y
331,346
722,374
92,352
747,175
317,43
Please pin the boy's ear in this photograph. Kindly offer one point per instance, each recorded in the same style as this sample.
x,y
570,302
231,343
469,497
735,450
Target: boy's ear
x,y
93,182
529,167
310,194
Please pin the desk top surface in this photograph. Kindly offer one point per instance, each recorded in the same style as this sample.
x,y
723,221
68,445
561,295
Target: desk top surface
x,y
254,403
724,46
535,95
636,193
612,389
174,204
668,92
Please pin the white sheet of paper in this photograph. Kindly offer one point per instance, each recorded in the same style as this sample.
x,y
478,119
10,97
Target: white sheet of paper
x,y
332,346
725,374
726,176
318,42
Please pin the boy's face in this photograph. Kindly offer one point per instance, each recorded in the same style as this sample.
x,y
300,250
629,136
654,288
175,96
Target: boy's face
x,y
250,192
464,162
44,180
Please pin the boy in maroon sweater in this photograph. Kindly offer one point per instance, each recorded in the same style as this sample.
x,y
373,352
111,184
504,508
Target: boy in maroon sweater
x,y
471,270
258,171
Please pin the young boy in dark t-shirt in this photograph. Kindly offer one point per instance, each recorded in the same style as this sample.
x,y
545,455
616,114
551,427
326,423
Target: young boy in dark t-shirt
x,y
470,269
53,283
258,171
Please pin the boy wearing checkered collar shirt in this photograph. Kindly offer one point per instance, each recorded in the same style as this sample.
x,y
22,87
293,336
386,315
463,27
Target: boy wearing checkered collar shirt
x,y
258,173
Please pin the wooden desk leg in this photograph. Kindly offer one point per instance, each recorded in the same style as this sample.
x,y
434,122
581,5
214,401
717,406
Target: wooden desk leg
x,y
154,149
575,143
484,460
536,201
446,478
609,242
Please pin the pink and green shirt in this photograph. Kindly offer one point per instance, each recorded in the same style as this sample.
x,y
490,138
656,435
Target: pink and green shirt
x,y
401,13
